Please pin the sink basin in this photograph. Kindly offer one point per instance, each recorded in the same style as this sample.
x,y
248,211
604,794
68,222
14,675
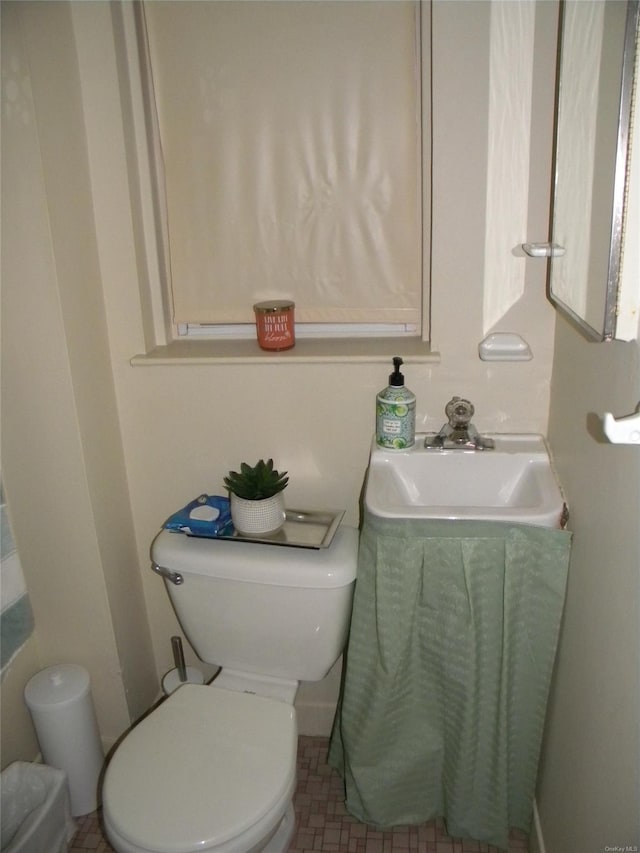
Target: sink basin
x,y
515,482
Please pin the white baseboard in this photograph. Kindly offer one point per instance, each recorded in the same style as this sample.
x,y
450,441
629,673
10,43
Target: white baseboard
x,y
536,842
315,719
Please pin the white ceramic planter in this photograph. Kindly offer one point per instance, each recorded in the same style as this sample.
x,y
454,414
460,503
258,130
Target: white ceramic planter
x,y
258,518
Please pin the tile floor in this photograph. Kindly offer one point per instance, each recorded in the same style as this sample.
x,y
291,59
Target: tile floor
x,y
322,823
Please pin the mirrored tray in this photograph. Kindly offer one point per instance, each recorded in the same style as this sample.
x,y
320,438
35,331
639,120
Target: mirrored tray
x,y
302,529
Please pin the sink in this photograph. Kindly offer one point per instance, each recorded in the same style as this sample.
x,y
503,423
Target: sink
x,y
515,482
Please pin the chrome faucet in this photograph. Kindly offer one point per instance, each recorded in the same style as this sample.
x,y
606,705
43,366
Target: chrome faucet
x,y
458,433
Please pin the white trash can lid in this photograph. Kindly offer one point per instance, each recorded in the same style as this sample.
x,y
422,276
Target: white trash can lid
x,y
57,685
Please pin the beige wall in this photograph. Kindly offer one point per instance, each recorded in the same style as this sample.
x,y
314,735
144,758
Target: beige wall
x,y
18,739
589,782
125,446
185,425
62,457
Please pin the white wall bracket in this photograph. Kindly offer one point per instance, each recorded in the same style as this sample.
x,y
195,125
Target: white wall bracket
x,y
543,250
624,430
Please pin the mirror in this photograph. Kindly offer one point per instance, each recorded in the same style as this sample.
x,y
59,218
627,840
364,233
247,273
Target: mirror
x,y
595,85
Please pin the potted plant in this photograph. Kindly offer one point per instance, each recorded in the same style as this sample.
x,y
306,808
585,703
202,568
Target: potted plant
x,y
257,499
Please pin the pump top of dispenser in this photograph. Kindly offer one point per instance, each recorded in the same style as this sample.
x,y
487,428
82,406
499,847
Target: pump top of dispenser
x,y
396,378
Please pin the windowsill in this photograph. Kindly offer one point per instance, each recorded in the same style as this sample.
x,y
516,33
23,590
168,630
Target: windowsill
x,y
306,351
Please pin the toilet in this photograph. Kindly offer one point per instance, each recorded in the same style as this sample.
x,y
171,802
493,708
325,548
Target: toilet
x,y
213,767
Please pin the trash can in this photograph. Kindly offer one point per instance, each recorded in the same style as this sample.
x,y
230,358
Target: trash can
x,y
35,810
59,699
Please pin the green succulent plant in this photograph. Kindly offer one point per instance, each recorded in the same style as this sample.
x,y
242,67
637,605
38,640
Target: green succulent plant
x,y
256,483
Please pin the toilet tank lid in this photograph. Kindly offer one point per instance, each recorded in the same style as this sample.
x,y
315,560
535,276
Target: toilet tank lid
x,y
252,562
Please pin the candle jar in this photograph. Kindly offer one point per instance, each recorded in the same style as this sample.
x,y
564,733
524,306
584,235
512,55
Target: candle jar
x,y
275,324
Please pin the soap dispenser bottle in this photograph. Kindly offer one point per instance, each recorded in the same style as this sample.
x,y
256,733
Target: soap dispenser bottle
x,y
396,412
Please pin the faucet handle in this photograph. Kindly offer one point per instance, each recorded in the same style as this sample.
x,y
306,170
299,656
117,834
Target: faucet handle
x,y
459,413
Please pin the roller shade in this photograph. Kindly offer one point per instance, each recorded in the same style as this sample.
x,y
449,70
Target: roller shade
x,y
290,137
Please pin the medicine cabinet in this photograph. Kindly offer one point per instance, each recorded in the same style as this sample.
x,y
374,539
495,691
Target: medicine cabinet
x,y
594,253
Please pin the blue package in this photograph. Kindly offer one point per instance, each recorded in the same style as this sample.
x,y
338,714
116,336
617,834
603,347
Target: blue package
x,y
207,515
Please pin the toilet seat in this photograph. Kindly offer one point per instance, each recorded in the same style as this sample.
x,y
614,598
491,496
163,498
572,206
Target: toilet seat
x,y
207,768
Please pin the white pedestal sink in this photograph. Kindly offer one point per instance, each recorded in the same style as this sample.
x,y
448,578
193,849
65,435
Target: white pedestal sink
x,y
515,482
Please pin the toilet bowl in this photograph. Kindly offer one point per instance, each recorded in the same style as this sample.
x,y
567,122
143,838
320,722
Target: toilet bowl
x,y
213,768
209,770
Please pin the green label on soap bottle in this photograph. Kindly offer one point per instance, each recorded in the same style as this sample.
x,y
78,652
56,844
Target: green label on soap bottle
x,y
395,423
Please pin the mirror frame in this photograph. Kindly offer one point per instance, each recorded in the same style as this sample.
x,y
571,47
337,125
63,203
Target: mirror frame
x,y
620,182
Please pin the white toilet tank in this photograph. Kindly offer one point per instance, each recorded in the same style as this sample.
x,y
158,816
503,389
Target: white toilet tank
x,y
267,609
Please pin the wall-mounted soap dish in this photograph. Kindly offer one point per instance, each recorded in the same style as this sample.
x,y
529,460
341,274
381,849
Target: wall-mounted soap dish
x,y
504,346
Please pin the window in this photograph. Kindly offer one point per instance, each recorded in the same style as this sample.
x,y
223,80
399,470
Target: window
x,y
289,137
